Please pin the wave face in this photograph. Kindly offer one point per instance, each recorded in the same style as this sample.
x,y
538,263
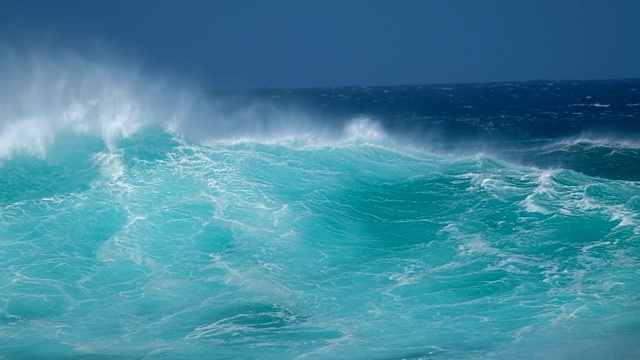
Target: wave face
x,y
262,233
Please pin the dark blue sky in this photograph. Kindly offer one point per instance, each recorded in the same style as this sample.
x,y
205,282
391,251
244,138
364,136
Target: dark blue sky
x,y
303,43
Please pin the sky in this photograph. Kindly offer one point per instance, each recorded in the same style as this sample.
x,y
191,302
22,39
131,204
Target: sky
x,y
307,43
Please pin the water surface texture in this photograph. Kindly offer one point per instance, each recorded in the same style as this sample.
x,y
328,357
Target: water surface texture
x,y
493,221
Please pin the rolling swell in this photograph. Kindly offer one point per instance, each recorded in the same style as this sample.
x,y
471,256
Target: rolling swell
x,y
586,126
142,237
606,159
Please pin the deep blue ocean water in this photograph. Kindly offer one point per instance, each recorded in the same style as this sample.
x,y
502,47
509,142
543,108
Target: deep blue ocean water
x,y
490,221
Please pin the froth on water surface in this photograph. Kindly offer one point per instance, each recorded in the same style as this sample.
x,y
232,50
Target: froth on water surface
x,y
139,221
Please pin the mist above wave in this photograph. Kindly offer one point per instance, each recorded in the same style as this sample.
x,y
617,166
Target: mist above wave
x,y
43,95
46,94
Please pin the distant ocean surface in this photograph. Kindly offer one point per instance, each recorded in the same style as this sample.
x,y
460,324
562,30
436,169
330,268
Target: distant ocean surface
x,y
482,221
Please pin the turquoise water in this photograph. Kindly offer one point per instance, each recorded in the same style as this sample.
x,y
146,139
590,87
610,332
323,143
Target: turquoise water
x,y
127,238
164,248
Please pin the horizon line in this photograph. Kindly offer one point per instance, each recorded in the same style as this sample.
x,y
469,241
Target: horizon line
x,y
452,83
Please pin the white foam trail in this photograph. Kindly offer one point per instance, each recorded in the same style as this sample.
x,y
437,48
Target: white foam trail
x,y
300,131
543,190
598,140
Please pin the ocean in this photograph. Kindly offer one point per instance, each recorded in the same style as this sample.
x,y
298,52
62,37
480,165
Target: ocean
x,y
143,220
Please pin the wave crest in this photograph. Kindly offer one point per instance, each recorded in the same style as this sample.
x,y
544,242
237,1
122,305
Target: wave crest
x,y
47,94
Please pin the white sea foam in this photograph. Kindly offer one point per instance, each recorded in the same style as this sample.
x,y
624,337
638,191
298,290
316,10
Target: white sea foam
x,y
623,216
594,140
592,105
544,190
